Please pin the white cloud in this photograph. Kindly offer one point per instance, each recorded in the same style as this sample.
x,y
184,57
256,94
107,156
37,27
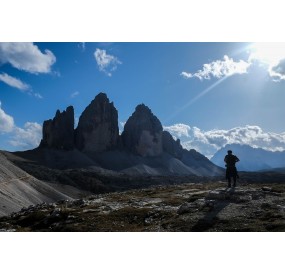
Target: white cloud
x,y
6,122
219,68
277,72
37,95
27,57
208,142
14,82
121,126
107,63
75,94
178,130
186,75
18,84
82,46
271,56
27,137
76,120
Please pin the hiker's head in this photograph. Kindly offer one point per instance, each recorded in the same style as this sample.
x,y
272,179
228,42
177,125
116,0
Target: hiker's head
x,y
230,152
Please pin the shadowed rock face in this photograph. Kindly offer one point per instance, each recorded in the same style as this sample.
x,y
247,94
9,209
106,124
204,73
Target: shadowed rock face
x,y
142,133
171,146
98,133
58,133
97,129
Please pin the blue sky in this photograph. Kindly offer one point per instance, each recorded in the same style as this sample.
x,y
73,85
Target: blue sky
x,y
206,94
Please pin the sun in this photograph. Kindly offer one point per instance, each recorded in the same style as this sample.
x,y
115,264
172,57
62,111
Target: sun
x,y
268,53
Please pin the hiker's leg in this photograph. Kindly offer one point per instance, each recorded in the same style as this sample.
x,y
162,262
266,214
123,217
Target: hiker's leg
x,y
229,181
235,180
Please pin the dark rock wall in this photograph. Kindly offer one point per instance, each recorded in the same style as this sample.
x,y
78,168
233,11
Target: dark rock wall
x,y
58,133
97,129
142,133
171,146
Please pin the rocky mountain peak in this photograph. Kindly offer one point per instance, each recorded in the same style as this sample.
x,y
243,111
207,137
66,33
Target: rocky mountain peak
x,y
58,133
142,133
141,108
97,129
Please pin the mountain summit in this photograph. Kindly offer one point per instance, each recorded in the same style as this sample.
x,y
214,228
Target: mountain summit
x,y
58,133
142,133
143,148
97,128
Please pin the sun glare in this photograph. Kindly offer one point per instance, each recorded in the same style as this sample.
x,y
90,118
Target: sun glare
x,y
268,53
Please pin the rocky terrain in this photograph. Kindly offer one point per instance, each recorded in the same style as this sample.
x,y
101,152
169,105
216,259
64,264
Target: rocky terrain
x,y
185,207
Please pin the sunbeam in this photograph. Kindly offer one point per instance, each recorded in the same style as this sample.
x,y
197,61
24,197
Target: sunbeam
x,y
189,103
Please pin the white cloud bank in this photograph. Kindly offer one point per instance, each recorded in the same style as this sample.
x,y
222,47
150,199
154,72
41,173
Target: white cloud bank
x,y
208,142
107,63
6,122
27,137
26,57
270,55
179,130
219,68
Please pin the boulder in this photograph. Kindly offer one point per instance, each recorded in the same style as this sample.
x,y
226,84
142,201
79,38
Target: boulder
x,y
142,133
58,133
97,129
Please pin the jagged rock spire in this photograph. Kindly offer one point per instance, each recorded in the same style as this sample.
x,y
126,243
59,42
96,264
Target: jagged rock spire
x,y
97,129
58,133
143,133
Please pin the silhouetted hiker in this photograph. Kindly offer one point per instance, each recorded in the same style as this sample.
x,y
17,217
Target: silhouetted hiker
x,y
231,171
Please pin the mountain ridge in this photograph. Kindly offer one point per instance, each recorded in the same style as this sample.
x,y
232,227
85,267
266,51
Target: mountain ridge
x,y
251,159
96,141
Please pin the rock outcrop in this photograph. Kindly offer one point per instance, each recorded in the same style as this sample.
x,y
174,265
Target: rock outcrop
x,y
58,133
97,129
142,148
142,133
171,146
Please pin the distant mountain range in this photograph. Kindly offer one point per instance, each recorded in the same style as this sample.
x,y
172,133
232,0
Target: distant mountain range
x,y
251,159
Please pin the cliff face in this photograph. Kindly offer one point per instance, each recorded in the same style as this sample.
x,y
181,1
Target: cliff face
x,y
143,136
142,133
97,129
171,146
58,133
